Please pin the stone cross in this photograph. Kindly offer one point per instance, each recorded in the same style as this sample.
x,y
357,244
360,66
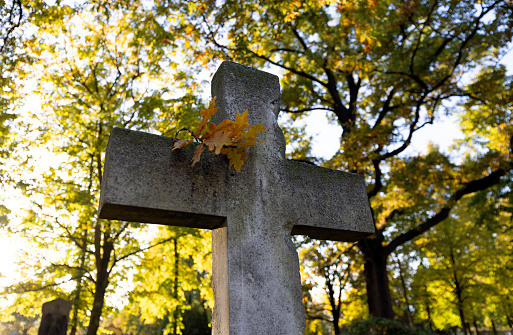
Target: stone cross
x,y
256,279
55,317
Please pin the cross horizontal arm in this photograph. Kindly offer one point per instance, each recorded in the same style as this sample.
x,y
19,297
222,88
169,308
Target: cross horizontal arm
x,y
327,204
145,181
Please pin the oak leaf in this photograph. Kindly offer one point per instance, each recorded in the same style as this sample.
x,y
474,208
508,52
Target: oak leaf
x,y
237,158
217,141
197,153
181,143
229,138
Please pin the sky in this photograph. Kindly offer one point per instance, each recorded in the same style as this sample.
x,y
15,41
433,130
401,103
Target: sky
x,y
326,135
325,144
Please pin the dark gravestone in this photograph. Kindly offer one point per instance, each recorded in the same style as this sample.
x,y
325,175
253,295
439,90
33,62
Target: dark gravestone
x,y
55,317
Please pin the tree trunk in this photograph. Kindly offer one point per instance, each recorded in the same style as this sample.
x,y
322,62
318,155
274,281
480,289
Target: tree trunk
x,y
78,290
102,278
494,329
376,278
335,312
405,293
428,310
76,302
510,322
175,289
464,326
336,318
459,293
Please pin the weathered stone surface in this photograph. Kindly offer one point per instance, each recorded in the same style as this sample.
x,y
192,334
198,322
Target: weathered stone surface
x,y
256,281
55,317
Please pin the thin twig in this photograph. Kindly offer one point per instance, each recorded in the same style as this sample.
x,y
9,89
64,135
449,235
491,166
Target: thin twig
x,y
190,132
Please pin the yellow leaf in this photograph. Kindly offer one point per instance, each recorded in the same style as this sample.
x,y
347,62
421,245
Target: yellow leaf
x,y
239,124
197,153
237,158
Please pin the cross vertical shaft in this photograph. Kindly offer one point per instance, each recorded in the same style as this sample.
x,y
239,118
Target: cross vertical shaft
x,y
256,267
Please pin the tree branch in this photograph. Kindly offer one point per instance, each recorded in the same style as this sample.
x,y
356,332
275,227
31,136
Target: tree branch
x,y
378,184
82,247
297,111
413,128
386,107
468,188
140,250
300,39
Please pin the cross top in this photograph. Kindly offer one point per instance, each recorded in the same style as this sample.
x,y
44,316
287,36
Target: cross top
x,y
239,88
256,282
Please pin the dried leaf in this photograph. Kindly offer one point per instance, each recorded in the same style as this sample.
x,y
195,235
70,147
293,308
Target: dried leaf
x,y
197,153
248,138
237,158
181,143
217,141
206,114
229,137
201,126
240,124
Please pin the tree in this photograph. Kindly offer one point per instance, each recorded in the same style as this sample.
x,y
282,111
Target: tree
x,y
461,275
322,259
20,324
13,14
173,283
382,70
104,74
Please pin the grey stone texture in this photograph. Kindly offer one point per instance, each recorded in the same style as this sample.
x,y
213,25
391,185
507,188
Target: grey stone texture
x,y
54,320
256,280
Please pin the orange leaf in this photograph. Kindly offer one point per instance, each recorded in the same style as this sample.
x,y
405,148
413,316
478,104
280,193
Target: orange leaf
x,y
247,138
226,125
240,123
206,114
197,153
201,126
217,140
229,137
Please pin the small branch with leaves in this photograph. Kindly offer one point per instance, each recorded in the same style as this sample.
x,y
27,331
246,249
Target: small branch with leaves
x,y
229,138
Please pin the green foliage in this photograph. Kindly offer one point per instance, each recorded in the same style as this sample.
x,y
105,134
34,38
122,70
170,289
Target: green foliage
x,y
20,324
170,275
383,326
464,273
383,70
95,70
197,319
337,265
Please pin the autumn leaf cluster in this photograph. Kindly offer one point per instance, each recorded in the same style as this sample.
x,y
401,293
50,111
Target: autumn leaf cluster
x,y
229,138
